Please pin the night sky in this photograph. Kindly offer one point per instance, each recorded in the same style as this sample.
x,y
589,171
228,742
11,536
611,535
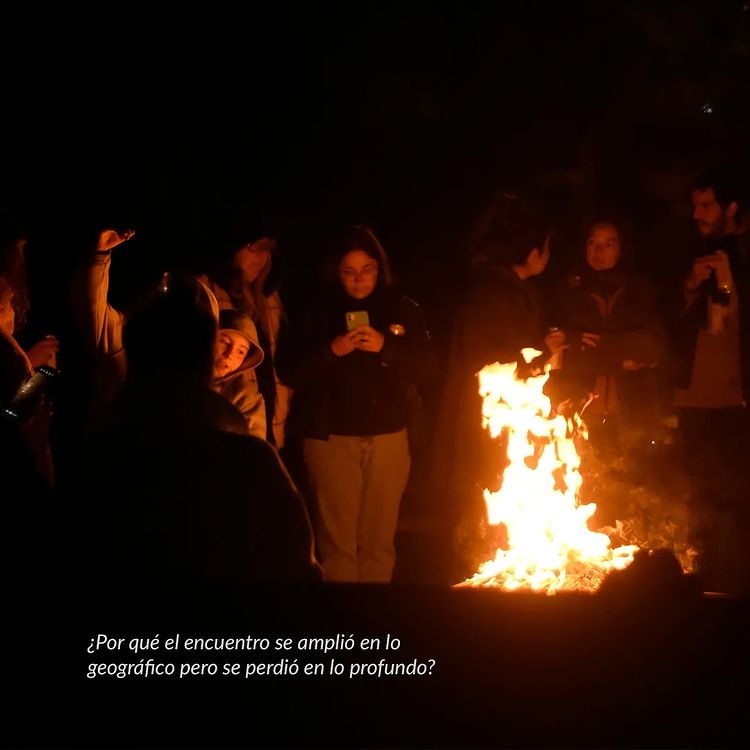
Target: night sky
x,y
405,118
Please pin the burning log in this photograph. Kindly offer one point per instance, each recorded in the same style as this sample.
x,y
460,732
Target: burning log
x,y
654,574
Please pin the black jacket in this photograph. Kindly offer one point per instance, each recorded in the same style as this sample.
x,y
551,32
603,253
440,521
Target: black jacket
x,y
622,309
361,393
499,316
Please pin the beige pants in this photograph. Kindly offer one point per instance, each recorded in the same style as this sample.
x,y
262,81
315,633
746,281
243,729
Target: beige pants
x,y
357,483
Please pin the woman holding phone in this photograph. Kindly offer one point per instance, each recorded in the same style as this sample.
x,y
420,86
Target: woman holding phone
x,y
352,364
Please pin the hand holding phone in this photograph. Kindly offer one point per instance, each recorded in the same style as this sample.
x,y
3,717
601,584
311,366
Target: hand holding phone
x,y
357,319
367,339
343,345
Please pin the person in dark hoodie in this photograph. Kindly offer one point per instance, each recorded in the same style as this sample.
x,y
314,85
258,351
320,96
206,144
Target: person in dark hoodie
x,y
615,338
168,497
500,315
351,363
237,353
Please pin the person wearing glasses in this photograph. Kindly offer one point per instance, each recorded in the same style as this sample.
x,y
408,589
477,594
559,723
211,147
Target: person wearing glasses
x,y
352,363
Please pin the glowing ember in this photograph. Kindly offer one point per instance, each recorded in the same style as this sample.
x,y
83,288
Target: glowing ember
x,y
550,546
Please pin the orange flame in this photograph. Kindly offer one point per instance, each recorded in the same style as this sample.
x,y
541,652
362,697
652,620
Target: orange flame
x,y
550,546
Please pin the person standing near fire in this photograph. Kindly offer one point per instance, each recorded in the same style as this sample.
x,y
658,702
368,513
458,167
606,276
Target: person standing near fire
x,y
712,344
609,317
353,361
500,315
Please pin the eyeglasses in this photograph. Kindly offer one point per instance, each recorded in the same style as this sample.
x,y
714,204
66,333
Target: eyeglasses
x,y
353,273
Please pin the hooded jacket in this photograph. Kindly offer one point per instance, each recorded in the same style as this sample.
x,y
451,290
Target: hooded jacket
x,y
280,394
240,387
102,327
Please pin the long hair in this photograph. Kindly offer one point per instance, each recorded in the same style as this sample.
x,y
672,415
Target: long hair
x,y
12,265
235,231
250,298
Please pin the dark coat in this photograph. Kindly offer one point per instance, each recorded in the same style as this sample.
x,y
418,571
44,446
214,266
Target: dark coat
x,y
171,498
499,316
361,393
623,311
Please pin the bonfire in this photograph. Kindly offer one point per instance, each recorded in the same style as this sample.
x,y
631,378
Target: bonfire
x,y
549,547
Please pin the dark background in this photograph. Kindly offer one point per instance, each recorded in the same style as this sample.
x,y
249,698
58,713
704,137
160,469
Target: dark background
x,y
407,118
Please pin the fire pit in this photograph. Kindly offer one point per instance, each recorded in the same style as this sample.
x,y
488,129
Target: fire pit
x,y
550,547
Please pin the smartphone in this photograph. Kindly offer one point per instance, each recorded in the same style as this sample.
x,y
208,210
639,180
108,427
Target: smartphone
x,y
356,319
27,396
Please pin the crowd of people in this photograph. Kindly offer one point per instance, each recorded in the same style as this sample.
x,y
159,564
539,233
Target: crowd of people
x,y
221,439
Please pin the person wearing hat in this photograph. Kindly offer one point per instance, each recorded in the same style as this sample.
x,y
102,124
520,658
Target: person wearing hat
x,y
237,352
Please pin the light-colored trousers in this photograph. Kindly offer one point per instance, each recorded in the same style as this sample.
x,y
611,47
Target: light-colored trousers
x,y
357,483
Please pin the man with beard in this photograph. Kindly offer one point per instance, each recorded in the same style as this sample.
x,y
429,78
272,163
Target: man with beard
x,y
714,352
